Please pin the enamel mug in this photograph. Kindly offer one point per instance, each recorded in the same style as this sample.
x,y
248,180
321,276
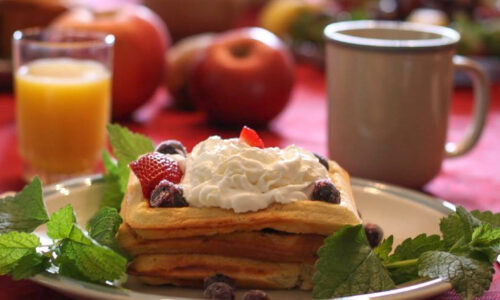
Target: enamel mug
x,y
389,90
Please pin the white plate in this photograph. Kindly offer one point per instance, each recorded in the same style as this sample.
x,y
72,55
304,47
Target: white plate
x,y
398,211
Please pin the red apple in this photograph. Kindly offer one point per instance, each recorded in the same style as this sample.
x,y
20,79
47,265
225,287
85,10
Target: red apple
x,y
180,59
141,40
244,77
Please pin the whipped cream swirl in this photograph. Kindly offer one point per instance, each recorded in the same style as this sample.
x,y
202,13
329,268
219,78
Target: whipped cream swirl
x,y
230,174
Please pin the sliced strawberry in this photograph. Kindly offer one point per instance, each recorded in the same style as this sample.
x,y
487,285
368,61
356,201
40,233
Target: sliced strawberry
x,y
249,136
151,168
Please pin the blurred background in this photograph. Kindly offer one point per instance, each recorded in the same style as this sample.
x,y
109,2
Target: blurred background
x,y
170,75
299,23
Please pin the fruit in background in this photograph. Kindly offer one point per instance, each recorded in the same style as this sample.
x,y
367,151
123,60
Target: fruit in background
x,y
142,40
188,17
278,15
180,59
429,16
244,77
16,15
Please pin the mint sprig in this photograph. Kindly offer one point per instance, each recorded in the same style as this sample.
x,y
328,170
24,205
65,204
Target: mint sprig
x,y
61,223
73,252
487,217
104,226
25,211
113,187
348,266
30,265
464,255
13,247
409,250
80,256
384,248
127,146
93,257
469,277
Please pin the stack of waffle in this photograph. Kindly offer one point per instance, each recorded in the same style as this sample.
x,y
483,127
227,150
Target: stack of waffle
x,y
271,248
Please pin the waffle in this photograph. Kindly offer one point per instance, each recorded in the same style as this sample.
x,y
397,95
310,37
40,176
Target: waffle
x,y
258,245
301,217
271,248
190,270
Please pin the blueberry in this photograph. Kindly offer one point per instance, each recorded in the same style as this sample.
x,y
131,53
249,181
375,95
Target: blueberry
x,y
322,160
324,190
167,194
256,295
374,234
219,291
171,147
218,278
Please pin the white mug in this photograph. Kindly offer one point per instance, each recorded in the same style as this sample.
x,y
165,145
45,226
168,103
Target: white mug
x,y
389,92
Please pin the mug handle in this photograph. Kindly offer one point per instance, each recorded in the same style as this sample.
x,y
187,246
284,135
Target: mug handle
x,y
481,87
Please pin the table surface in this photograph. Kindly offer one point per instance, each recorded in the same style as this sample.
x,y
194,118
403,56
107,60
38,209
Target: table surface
x,y
472,180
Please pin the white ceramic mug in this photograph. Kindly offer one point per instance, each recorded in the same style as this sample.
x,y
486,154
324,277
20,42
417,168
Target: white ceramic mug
x,y
389,92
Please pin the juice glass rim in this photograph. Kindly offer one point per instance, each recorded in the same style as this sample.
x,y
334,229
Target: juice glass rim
x,y
82,39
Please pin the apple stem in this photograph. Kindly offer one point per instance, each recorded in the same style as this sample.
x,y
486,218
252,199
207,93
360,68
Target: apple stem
x,y
241,51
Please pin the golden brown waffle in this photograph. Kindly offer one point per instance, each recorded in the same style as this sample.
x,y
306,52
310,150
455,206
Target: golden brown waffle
x,y
303,217
271,248
265,246
191,269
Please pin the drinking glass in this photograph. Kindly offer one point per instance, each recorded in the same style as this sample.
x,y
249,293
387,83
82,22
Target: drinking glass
x,y
62,84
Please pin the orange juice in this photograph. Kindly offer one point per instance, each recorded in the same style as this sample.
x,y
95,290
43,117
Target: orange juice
x,y
63,106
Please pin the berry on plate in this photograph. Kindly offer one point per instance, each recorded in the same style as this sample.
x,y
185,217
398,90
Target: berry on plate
x,y
151,168
249,136
219,291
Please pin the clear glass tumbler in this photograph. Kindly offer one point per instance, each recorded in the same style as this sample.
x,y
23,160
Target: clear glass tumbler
x,y
62,84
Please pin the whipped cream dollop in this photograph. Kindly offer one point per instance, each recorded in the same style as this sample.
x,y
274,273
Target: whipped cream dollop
x,y
230,174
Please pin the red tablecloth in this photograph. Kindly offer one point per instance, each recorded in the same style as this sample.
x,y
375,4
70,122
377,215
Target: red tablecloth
x,y
472,180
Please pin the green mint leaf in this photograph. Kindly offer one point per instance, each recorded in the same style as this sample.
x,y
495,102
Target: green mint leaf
x,y
467,235
13,247
414,247
384,249
113,190
404,273
348,266
82,258
103,227
468,220
485,243
469,277
92,263
79,236
128,146
411,248
30,265
61,222
124,174
110,165
452,229
488,217
25,211
457,227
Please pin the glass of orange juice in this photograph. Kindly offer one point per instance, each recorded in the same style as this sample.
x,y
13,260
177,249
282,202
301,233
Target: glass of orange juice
x,y
63,99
